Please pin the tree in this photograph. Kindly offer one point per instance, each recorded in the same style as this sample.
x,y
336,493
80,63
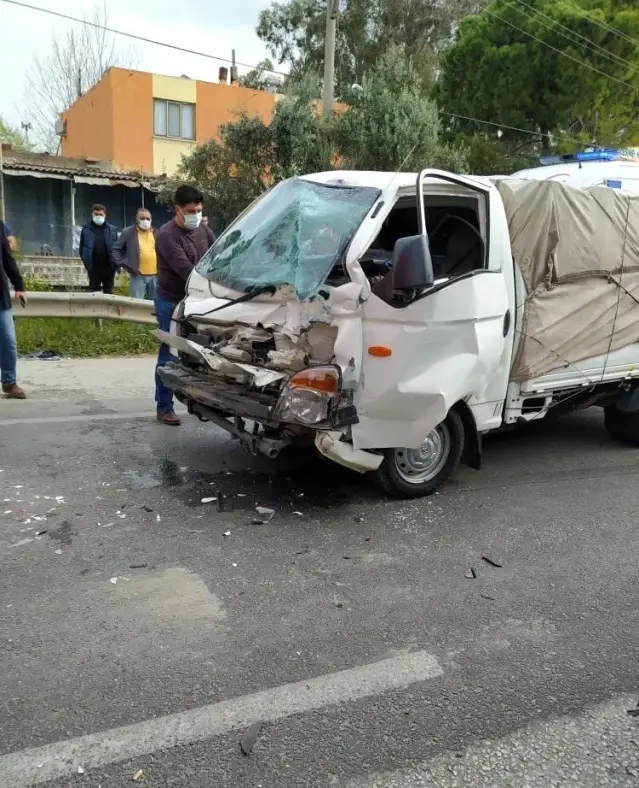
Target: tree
x,y
257,78
13,136
545,66
294,31
72,66
391,123
251,155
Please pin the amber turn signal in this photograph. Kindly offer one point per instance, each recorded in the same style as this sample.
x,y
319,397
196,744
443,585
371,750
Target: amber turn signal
x,y
323,379
379,351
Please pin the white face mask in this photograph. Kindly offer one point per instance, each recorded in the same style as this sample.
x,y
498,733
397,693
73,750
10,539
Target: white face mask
x,y
192,220
145,224
98,220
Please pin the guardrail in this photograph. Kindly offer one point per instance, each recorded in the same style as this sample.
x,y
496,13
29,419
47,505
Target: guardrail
x,y
93,305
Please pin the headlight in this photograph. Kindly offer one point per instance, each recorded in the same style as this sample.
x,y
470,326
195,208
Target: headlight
x,y
176,317
308,395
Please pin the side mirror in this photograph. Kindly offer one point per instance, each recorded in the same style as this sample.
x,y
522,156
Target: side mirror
x,y
412,270
412,263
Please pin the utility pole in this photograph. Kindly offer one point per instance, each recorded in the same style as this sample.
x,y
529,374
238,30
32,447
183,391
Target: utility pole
x,y
332,10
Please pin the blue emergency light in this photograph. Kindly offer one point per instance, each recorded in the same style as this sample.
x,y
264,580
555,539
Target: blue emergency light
x,y
594,154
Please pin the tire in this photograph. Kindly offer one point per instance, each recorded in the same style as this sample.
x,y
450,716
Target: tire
x,y
445,445
622,427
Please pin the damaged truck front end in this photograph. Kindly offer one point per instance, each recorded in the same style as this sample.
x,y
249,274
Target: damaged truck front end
x,y
268,339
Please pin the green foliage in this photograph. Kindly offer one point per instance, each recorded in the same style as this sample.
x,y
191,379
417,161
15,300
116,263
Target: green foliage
x,y
391,123
488,155
37,285
523,64
13,136
83,338
294,31
257,77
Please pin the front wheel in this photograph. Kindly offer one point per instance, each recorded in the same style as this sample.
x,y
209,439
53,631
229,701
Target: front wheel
x,y
621,426
414,473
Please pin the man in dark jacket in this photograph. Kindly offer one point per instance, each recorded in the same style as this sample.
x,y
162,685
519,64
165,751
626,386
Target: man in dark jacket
x,y
135,252
96,250
180,244
9,275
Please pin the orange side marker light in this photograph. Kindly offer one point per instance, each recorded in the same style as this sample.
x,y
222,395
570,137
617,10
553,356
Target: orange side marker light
x,y
379,351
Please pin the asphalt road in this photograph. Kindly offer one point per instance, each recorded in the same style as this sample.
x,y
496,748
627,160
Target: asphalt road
x,y
143,631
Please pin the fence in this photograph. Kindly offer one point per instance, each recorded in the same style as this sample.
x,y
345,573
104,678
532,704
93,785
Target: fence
x,y
57,271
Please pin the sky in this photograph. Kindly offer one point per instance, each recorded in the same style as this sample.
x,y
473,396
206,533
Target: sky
x,y
213,27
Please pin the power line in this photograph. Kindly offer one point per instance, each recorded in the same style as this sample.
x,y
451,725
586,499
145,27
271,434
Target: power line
x,y
512,128
135,37
554,49
589,43
603,25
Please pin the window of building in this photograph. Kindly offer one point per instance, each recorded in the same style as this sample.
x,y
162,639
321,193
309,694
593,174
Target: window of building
x,y
172,119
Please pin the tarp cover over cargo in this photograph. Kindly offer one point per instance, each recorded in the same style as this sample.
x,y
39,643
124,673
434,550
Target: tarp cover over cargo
x,y
578,251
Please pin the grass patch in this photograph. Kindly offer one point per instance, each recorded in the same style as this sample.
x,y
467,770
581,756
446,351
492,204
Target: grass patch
x,y
84,337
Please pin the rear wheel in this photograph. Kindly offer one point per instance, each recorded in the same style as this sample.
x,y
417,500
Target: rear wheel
x,y
623,427
414,473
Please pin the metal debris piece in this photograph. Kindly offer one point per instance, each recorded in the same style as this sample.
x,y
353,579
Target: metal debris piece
x,y
139,565
490,561
265,515
358,518
21,542
227,533
250,737
139,775
299,514
471,574
302,552
146,508
113,580
633,712
80,770
338,603
486,596
209,500
233,565
158,519
58,552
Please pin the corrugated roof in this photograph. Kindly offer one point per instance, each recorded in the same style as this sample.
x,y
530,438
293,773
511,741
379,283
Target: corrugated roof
x,y
65,165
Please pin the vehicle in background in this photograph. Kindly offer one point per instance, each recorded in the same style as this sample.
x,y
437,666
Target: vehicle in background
x,y
599,167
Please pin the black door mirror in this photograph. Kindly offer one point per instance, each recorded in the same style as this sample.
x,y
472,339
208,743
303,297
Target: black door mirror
x,y
412,271
412,264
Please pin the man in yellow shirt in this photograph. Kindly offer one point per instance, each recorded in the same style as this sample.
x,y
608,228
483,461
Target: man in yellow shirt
x,y
135,252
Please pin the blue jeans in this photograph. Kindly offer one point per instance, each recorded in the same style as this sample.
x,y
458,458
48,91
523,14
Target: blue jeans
x,y
163,395
8,348
142,287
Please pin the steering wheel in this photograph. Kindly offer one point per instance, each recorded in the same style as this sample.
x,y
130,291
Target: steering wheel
x,y
451,216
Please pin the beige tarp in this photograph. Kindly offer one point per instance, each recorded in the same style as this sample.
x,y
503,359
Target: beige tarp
x,y
578,251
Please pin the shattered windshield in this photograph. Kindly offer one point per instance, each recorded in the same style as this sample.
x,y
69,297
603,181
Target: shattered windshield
x,y
294,235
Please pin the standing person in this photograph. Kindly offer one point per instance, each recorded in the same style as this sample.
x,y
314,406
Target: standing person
x,y
9,275
96,250
205,218
180,244
135,252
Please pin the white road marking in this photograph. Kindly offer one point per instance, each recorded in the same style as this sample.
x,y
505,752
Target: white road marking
x,y
39,764
149,414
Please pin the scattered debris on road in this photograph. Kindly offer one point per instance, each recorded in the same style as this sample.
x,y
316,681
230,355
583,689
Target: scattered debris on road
x,y
58,552
227,533
491,562
209,500
471,574
299,514
80,770
486,596
265,515
146,508
113,580
138,565
634,712
22,541
139,775
247,741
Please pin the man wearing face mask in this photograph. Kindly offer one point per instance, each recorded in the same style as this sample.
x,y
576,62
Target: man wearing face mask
x,y
180,244
135,252
96,250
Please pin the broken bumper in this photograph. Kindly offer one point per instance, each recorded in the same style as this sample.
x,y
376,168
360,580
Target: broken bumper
x,y
226,405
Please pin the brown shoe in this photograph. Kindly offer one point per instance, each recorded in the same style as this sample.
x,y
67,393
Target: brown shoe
x,y
168,417
13,391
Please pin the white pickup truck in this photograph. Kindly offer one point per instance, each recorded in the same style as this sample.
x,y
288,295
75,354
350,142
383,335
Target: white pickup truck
x,y
392,320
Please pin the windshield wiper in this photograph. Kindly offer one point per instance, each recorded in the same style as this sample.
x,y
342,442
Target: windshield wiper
x,y
255,291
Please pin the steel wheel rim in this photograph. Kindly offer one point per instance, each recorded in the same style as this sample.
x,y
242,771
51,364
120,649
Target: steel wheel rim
x,y
417,466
